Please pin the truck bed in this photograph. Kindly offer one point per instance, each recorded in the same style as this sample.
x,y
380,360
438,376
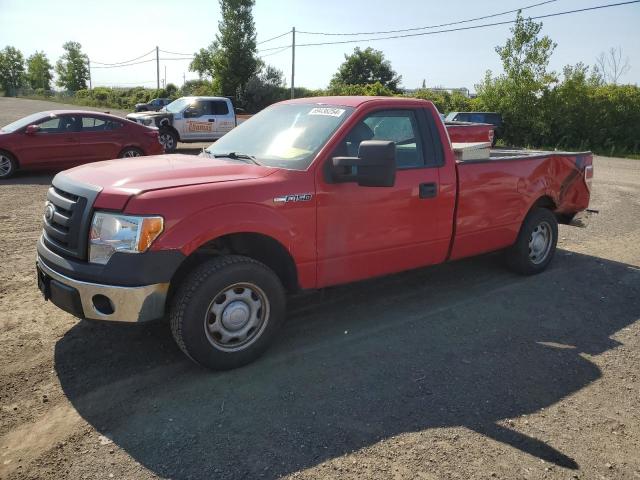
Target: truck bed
x,y
520,154
495,193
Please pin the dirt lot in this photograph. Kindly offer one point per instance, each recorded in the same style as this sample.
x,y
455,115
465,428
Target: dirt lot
x,y
458,371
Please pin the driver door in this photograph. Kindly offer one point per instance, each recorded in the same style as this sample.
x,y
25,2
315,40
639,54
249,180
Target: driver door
x,y
368,231
199,122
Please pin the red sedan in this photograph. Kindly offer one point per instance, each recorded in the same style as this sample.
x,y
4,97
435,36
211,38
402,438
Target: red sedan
x,y
60,139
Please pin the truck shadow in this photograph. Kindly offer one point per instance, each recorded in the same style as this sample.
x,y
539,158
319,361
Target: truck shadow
x,y
463,344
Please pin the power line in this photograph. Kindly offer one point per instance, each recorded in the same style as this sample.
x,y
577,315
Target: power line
x,y
176,53
430,26
277,36
276,52
472,27
146,61
124,61
124,83
129,64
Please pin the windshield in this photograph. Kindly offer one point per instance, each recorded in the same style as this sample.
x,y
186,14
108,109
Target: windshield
x,y
178,105
23,122
287,136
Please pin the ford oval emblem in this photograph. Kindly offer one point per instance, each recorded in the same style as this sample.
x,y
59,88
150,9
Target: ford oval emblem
x,y
49,210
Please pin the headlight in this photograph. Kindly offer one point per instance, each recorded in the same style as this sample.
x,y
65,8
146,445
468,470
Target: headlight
x,y
112,233
147,121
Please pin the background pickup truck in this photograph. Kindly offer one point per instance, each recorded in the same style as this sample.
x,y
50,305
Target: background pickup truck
x,y
467,132
190,119
306,194
492,118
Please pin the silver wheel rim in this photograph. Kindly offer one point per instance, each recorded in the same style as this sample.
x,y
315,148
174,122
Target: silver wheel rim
x,y
131,153
236,317
5,165
166,141
540,242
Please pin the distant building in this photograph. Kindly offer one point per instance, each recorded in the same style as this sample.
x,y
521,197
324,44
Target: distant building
x,y
461,90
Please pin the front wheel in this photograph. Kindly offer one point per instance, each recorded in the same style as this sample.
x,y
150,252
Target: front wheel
x,y
169,140
536,243
227,312
8,165
131,152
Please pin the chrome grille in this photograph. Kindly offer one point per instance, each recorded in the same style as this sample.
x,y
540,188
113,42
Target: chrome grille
x,y
62,223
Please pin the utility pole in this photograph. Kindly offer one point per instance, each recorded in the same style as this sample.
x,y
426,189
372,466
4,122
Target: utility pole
x,y
89,68
157,68
164,82
184,78
293,61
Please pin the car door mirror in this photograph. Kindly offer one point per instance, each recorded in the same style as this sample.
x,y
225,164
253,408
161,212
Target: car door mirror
x,y
375,165
191,112
32,129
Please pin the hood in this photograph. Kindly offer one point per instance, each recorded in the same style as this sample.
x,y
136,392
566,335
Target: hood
x,y
148,114
122,178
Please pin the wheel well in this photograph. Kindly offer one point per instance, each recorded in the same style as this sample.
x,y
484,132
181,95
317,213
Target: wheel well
x,y
167,126
548,203
253,245
544,202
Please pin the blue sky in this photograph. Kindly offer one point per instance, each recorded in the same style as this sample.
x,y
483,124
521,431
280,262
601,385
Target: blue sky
x,y
119,30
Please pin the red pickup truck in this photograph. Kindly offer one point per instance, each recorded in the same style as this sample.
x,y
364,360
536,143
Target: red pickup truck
x,y
466,132
306,194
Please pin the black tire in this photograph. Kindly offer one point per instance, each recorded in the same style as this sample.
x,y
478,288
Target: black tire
x,y
131,152
8,165
219,282
169,140
536,243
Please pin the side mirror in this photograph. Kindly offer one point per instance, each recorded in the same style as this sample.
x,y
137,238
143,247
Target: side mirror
x,y
190,112
31,129
375,165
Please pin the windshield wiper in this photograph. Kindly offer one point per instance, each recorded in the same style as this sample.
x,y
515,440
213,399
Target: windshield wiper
x,y
236,156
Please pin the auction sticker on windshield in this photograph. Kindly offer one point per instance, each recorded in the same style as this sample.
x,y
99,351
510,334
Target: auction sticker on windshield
x,y
330,112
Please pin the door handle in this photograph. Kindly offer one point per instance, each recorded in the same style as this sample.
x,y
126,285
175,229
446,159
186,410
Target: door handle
x,y
428,190
211,119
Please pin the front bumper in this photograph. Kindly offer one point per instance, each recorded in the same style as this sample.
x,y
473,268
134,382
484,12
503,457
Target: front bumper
x,y
102,302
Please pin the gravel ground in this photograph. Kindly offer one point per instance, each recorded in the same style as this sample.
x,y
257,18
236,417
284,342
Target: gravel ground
x,y
460,371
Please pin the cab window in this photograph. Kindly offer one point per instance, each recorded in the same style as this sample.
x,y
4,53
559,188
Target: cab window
x,y
219,107
398,126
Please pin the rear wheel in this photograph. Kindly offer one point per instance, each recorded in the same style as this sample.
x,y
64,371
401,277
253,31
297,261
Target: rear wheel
x,y
227,312
8,165
169,140
536,243
130,152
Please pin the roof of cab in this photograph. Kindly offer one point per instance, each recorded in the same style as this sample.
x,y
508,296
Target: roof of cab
x,y
353,101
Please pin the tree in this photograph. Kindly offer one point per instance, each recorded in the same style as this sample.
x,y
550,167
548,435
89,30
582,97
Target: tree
x,y
611,66
39,71
171,89
263,89
517,92
72,68
365,67
230,61
11,69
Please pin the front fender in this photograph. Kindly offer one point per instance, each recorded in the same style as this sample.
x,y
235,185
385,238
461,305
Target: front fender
x,y
193,231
